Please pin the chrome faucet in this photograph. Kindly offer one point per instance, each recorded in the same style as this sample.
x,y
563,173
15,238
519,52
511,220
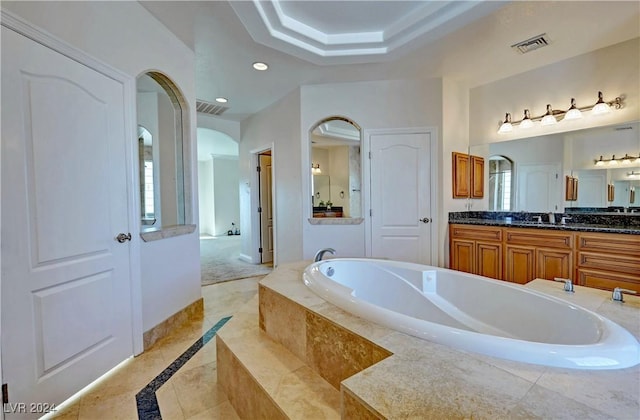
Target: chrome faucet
x,y
321,253
564,220
618,294
568,284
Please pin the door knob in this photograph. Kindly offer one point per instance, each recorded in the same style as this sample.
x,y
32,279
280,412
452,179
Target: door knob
x,y
123,237
424,220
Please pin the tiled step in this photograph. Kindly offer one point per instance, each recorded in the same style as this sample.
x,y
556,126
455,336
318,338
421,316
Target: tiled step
x,y
263,379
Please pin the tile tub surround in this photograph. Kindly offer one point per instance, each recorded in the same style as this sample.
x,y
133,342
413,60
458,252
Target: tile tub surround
x,y
426,380
194,311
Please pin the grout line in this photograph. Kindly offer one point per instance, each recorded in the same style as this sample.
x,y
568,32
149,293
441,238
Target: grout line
x,y
146,400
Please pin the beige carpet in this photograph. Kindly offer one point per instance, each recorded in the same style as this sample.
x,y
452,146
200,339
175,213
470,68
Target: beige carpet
x,y
220,260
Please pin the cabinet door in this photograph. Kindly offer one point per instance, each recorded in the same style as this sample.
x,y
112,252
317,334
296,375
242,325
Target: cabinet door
x,y
461,175
462,255
489,260
477,177
551,263
606,280
520,264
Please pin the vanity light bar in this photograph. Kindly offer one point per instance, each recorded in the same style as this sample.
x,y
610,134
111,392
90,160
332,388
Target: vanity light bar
x,y
551,116
625,160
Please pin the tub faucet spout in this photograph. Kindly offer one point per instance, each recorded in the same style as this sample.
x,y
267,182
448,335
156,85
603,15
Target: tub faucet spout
x,y
568,284
618,292
321,253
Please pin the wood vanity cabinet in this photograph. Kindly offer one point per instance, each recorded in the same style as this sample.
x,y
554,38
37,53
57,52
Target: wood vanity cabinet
x,y
468,175
519,255
608,260
536,253
461,175
476,250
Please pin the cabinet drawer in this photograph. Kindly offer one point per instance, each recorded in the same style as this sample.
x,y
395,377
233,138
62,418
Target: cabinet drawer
x,y
476,233
539,238
606,280
610,243
609,262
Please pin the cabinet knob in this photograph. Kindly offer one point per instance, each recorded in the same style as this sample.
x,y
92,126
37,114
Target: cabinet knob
x,y
424,220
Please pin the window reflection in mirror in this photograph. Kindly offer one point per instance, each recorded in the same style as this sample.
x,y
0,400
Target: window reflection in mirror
x,y
335,168
148,177
500,182
160,131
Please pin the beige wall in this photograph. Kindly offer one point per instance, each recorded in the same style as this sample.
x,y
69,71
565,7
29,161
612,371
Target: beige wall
x,y
614,70
382,104
278,125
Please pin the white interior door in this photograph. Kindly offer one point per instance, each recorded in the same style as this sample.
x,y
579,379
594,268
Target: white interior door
x,y
66,292
266,207
401,214
539,187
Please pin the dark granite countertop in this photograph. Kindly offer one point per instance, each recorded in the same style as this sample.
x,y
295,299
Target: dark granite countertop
x,y
581,227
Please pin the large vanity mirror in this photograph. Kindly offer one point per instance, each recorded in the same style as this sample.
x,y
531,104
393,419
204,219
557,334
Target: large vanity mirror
x,y
595,169
336,175
161,153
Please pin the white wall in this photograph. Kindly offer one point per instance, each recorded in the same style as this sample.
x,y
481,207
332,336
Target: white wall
x,y
125,36
218,195
277,125
372,105
205,197
455,135
226,194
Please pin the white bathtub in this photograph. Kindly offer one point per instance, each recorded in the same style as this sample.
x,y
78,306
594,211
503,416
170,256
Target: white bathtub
x,y
474,313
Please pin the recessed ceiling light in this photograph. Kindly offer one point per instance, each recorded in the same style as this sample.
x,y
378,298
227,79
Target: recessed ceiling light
x,y
260,66
222,100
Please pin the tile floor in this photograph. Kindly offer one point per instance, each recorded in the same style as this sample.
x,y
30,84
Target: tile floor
x,y
192,392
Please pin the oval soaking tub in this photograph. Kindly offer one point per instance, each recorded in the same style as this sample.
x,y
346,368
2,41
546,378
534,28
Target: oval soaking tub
x,y
474,313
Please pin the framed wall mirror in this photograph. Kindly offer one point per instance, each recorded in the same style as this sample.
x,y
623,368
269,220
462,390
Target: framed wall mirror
x,y
335,168
160,110
597,160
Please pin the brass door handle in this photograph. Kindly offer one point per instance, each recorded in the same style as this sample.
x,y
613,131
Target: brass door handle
x,y
123,237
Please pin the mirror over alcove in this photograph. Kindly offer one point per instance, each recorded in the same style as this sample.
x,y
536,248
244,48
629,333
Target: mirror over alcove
x,y
335,167
161,115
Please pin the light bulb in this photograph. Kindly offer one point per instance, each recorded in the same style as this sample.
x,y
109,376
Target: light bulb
x,y
548,118
613,160
506,126
526,121
573,113
600,162
601,107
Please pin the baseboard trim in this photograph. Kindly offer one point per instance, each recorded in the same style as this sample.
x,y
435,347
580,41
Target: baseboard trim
x,y
192,311
246,258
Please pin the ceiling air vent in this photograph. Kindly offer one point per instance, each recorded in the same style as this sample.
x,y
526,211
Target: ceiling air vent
x,y
209,108
531,44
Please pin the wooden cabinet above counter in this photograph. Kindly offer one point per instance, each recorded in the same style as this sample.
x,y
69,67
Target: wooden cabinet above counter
x,y
519,255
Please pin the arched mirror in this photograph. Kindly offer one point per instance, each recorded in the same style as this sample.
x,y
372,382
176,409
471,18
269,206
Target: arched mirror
x,y
336,174
500,183
161,153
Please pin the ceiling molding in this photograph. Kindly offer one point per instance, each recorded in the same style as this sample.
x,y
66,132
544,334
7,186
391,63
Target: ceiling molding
x,y
397,24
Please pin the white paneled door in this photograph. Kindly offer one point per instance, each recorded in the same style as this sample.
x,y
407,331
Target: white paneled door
x,y
401,214
66,291
539,187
